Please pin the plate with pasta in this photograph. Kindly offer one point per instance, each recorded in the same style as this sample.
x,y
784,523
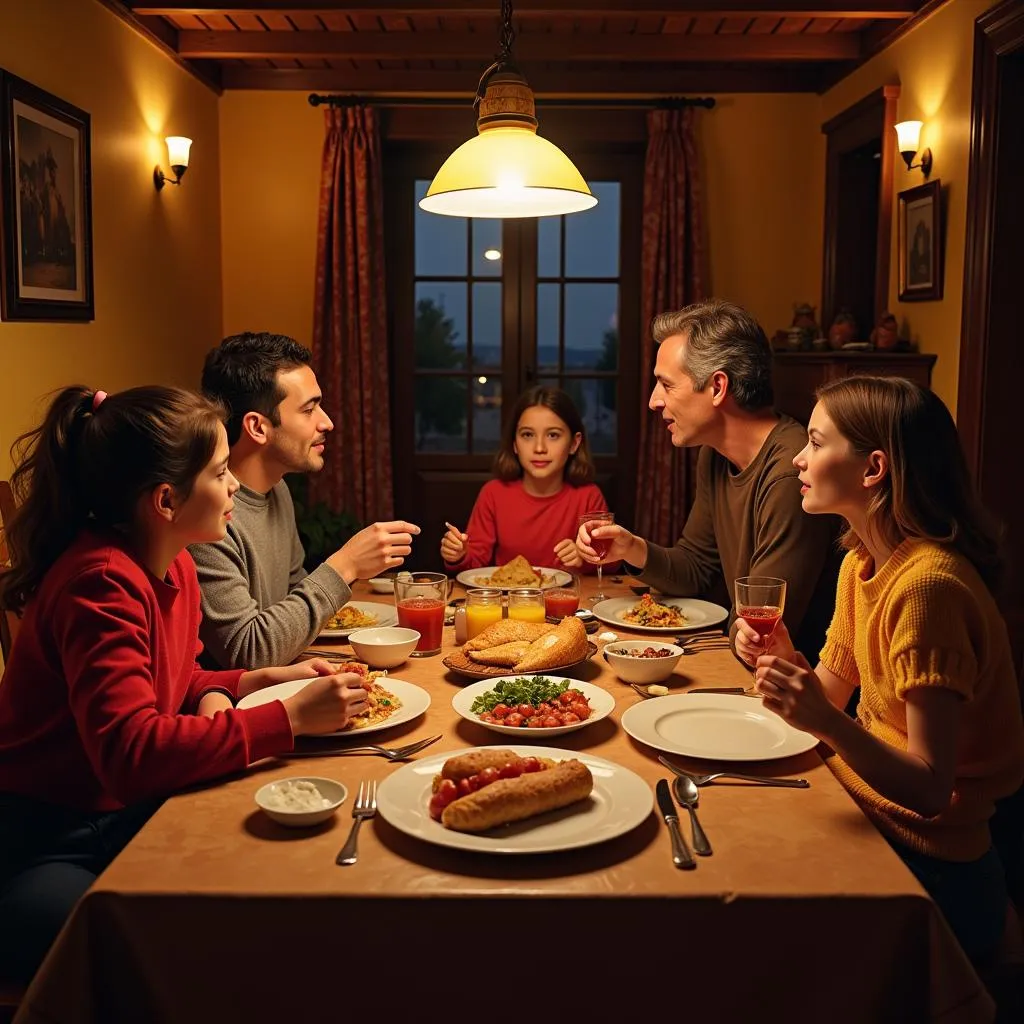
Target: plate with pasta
x,y
657,614
357,615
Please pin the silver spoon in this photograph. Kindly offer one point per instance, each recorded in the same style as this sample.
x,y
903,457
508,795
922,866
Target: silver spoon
x,y
686,793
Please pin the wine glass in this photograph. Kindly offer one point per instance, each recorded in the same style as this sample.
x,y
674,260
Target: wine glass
x,y
760,601
593,520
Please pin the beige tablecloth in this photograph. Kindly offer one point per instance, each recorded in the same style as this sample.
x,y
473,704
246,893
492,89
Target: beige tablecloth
x,y
803,913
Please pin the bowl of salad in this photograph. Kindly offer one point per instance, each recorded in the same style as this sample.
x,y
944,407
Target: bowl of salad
x,y
543,705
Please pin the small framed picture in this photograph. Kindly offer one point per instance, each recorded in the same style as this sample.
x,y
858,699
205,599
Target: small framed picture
x,y
919,226
45,206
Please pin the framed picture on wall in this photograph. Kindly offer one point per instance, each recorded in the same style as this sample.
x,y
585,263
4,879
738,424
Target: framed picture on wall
x,y
919,242
45,208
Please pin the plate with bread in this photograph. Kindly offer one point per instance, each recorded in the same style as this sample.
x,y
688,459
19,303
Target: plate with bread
x,y
517,573
514,800
521,648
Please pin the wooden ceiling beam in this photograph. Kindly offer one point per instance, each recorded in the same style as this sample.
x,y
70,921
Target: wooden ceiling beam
x,y
874,9
537,47
546,83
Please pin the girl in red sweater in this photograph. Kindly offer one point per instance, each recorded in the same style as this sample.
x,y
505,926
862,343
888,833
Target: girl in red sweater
x,y
544,483
103,709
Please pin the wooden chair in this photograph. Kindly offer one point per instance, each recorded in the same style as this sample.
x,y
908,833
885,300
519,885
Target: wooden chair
x,y
9,622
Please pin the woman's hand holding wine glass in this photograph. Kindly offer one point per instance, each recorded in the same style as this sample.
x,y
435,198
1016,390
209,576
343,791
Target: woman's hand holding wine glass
x,y
760,601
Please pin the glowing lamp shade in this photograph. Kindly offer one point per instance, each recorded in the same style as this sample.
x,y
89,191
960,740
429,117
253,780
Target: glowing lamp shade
x,y
177,150
908,134
507,172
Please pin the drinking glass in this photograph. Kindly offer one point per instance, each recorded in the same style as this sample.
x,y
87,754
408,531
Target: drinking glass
x,y
483,606
760,600
526,604
592,520
564,600
421,602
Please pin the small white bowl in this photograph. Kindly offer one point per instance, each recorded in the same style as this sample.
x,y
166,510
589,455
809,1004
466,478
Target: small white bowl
x,y
382,585
632,669
384,646
333,791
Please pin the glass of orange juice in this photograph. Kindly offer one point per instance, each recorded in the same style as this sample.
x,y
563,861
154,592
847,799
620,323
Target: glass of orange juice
x,y
483,606
526,604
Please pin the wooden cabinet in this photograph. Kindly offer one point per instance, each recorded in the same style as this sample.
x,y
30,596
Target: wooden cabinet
x,y
797,374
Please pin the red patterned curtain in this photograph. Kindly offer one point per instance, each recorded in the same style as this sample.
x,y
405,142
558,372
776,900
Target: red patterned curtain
x,y
350,353
673,276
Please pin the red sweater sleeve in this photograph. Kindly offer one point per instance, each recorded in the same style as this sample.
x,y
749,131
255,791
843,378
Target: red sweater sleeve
x,y
482,530
125,703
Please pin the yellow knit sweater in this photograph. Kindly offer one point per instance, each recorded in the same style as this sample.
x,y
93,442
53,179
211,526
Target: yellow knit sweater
x,y
927,619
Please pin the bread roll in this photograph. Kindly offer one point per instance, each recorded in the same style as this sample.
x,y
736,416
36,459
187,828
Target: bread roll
x,y
464,765
505,632
565,646
505,654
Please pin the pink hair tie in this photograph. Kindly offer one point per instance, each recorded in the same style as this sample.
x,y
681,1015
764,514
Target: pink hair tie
x,y
97,399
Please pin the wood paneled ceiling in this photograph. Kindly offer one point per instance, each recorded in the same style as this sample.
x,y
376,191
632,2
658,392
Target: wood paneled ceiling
x,y
564,47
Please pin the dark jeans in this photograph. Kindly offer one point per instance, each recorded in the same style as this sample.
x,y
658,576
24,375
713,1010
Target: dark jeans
x,y
971,895
49,856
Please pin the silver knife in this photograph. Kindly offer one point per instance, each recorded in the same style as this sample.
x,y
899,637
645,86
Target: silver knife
x,y
681,856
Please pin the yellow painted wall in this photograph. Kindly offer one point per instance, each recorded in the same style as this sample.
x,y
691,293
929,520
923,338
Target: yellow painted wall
x,y
763,160
156,271
933,64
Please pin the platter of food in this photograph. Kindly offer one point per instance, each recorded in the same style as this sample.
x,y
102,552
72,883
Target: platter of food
x,y
522,648
391,701
650,614
517,573
546,705
357,615
514,800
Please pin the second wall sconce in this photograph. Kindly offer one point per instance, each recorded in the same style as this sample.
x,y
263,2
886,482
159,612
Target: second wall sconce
x,y
177,154
908,134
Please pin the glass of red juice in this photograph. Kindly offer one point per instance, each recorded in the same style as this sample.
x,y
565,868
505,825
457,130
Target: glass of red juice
x,y
760,601
562,600
421,602
593,521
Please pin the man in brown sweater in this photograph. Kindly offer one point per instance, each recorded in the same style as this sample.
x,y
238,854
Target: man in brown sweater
x,y
713,389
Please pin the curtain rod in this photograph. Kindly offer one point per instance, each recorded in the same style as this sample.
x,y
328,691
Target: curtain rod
x,y
664,103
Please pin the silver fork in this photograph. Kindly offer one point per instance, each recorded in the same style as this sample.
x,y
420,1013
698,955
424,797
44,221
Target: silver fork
x,y
703,780
364,807
391,753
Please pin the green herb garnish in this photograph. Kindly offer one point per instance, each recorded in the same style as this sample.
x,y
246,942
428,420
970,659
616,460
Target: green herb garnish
x,y
531,690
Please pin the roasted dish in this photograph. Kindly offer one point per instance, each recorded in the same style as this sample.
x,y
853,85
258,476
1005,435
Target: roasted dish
x,y
350,618
647,612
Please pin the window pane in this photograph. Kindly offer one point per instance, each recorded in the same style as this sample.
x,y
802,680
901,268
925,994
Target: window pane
x,y
486,414
440,325
591,326
486,240
441,414
548,299
440,241
487,326
597,404
592,237
549,246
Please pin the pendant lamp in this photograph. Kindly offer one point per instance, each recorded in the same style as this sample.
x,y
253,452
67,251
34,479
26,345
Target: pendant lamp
x,y
507,170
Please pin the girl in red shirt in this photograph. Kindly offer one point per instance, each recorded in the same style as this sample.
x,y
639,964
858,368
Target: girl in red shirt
x,y
544,483
103,709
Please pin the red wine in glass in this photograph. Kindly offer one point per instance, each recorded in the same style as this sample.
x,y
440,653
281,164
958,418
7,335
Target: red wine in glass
x,y
601,545
763,618
760,601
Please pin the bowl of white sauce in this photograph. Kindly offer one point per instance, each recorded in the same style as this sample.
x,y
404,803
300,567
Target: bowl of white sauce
x,y
301,801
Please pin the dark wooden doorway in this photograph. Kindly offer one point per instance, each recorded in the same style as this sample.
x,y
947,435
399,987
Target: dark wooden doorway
x,y
988,401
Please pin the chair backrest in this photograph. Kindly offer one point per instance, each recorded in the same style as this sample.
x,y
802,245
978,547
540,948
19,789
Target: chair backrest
x,y
9,622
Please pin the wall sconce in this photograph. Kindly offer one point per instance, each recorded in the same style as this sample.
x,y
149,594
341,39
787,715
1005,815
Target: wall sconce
x,y
908,134
177,154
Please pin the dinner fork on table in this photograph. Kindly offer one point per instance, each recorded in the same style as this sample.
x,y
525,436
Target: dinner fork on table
x,y
364,807
703,779
391,753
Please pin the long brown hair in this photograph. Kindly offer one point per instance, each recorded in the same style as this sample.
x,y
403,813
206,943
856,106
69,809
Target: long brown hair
x,y
87,464
579,469
928,493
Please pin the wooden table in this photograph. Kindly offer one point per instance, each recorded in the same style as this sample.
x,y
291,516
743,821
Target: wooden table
x,y
803,913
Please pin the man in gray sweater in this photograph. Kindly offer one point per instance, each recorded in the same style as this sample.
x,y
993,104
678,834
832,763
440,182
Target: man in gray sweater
x,y
259,605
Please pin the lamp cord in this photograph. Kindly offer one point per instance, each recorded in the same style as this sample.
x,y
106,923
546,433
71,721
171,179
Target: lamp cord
x,y
508,34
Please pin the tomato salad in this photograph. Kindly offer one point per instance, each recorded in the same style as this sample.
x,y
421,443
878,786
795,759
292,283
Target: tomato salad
x,y
532,703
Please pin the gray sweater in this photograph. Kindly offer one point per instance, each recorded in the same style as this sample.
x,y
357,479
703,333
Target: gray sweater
x,y
259,606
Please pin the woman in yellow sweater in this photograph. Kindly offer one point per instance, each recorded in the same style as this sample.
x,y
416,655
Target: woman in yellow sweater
x,y
938,736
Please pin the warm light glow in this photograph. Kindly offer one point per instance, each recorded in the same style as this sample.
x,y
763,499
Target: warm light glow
x,y
177,150
481,380
908,134
507,172
492,254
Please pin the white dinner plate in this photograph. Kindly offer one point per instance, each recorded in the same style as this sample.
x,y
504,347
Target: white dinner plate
x,y
621,800
716,727
415,700
602,703
385,615
698,614
550,578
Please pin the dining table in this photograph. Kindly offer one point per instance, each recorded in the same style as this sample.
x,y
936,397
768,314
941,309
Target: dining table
x,y
803,912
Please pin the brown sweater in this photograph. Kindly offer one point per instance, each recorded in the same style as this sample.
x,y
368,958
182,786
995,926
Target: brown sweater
x,y
751,524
